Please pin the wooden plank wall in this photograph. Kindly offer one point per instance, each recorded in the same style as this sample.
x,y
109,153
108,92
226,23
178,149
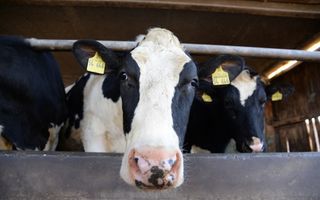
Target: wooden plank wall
x,y
288,116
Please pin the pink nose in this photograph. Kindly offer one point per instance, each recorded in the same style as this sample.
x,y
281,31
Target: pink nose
x,y
256,145
154,168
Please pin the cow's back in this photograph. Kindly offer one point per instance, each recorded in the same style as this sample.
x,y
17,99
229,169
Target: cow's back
x,y
32,103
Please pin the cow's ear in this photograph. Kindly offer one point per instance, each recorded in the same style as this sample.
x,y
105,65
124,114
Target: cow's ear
x,y
221,70
279,91
94,57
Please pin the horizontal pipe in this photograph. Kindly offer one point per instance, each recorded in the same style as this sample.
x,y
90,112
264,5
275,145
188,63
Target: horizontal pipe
x,y
203,49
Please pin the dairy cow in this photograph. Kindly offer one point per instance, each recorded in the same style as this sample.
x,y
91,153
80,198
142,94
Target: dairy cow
x,y
229,108
32,98
138,105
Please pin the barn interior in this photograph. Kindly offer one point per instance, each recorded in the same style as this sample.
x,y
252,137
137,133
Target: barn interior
x,y
292,125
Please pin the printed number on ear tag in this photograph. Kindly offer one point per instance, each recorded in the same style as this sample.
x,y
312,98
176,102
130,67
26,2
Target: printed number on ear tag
x,y
277,96
96,64
206,98
220,77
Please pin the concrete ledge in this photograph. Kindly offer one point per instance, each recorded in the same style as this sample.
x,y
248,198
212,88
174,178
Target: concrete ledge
x,y
65,175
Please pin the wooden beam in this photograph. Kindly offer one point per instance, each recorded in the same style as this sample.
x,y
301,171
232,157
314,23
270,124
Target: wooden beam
x,y
57,175
228,6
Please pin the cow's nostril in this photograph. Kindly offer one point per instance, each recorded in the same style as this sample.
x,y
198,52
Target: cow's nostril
x,y
156,169
171,162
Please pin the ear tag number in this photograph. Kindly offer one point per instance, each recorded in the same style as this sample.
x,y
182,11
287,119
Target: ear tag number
x,y
220,77
277,96
206,98
96,64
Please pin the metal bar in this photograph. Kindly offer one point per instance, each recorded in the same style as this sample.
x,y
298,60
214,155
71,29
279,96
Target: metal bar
x,y
56,175
204,49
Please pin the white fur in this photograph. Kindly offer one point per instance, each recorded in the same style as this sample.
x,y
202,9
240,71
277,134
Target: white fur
x,y
1,129
161,59
53,137
102,123
68,88
245,84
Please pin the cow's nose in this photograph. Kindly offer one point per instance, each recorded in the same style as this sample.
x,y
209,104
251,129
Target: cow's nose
x,y
256,145
154,168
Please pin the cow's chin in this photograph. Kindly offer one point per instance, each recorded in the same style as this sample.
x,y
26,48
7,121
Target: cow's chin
x,y
140,171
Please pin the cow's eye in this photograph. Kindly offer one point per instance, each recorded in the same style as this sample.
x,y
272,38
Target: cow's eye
x,y
262,100
123,76
194,83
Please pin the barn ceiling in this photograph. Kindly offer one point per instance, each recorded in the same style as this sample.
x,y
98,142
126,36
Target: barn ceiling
x,y
288,24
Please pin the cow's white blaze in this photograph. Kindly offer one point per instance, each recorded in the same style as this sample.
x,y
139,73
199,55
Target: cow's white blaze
x,y
101,126
245,84
160,58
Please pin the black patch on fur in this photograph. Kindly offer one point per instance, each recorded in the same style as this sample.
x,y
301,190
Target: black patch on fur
x,y
111,87
129,90
182,99
156,174
32,94
75,102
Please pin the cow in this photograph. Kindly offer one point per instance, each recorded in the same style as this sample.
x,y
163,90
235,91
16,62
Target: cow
x,y
137,103
32,98
228,110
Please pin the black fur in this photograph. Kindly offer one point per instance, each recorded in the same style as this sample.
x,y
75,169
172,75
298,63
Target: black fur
x,y
213,124
31,94
129,90
183,96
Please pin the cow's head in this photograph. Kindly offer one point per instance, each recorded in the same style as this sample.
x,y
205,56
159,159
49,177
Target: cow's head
x,y
156,82
240,103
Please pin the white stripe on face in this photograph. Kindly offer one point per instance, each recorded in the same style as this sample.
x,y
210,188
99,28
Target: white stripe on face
x,y
160,66
245,85
160,59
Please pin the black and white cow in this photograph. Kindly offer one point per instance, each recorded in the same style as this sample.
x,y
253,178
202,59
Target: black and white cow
x,y
232,111
139,105
32,97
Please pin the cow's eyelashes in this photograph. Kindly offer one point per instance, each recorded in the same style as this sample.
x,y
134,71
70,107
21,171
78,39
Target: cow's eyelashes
x,y
123,76
262,100
195,83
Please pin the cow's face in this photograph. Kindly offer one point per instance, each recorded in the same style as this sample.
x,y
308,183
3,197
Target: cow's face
x,y
157,88
157,84
244,108
240,104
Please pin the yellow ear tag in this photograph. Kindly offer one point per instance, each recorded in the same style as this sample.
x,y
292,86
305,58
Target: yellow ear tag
x,y
206,98
277,96
220,77
96,64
